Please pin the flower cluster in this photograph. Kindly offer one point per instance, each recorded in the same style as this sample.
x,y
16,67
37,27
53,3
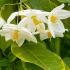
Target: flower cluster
x,y
46,24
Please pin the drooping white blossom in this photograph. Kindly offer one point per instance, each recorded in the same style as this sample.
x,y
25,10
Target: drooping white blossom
x,y
55,24
17,34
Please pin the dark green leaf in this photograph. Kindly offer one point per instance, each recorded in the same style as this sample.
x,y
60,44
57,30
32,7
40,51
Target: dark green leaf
x,y
11,57
30,66
41,4
19,65
3,44
4,62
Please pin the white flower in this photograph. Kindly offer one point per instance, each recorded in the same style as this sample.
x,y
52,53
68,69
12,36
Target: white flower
x,y
55,24
33,19
17,34
2,22
45,35
27,23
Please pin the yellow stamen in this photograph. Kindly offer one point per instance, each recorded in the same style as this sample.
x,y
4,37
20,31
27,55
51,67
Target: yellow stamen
x,y
49,34
15,35
35,20
53,19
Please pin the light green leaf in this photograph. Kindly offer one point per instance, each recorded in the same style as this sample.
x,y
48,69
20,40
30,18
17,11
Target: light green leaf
x,y
39,55
67,60
66,67
64,1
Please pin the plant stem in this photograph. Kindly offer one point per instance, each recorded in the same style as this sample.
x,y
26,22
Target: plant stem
x,y
57,46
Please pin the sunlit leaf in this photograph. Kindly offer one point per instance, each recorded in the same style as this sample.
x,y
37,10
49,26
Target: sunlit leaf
x,y
64,1
67,61
39,55
67,67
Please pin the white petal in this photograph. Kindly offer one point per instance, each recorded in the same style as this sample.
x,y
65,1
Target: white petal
x,y
55,10
8,37
21,40
63,14
59,27
13,15
32,12
28,35
40,12
59,34
42,18
43,36
3,32
51,28
41,27
6,33
9,26
27,23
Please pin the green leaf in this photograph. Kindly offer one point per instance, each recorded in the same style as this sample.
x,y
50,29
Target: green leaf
x,y
1,54
64,1
2,2
9,67
30,66
67,60
0,68
47,5
23,0
6,11
3,44
39,55
66,23
11,57
19,65
66,67
4,62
